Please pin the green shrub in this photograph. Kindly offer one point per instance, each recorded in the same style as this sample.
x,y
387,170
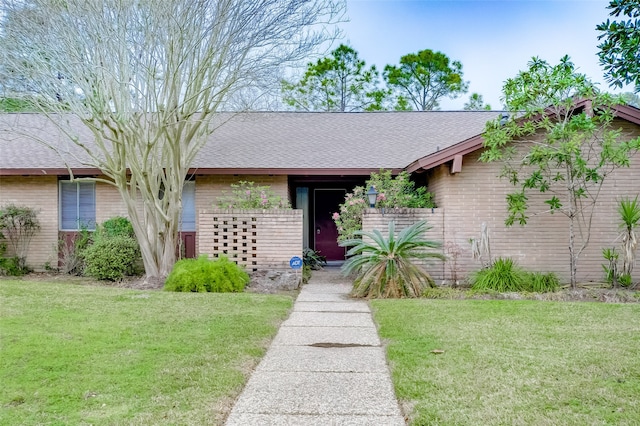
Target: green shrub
x,y
204,275
542,283
10,265
506,276
18,225
393,192
503,276
313,259
306,273
247,195
114,227
111,258
625,280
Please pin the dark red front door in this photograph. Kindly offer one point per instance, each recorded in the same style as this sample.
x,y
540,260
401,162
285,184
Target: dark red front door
x,y
326,203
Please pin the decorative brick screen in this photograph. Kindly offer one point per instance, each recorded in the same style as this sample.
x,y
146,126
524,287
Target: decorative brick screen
x,y
256,239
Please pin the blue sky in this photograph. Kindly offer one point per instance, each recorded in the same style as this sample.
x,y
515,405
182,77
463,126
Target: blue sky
x,y
494,39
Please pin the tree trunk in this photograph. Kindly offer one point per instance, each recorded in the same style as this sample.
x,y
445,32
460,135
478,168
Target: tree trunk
x,y
572,255
156,230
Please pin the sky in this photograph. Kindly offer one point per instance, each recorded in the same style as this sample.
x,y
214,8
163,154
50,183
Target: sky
x,y
493,39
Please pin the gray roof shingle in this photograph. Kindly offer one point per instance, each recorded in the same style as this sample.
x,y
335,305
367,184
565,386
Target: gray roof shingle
x,y
272,140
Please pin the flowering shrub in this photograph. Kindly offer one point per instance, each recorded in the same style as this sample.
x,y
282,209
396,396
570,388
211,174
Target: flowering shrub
x,y
246,195
392,193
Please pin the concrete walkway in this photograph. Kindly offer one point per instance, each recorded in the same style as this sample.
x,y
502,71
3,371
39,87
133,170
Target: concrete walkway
x,y
325,367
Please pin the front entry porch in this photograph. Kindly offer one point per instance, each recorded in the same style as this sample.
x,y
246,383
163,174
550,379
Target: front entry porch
x,y
319,197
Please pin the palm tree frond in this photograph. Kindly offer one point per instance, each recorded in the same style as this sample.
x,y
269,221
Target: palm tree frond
x,y
384,266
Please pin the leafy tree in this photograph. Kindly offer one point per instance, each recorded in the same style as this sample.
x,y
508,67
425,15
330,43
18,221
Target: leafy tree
x,y
620,48
476,103
384,266
631,99
559,141
423,78
338,82
147,78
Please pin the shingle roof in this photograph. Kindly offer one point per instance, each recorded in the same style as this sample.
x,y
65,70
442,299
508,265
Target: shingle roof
x,y
274,140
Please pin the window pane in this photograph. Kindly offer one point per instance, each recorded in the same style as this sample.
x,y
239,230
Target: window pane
x,y
302,202
77,205
68,206
188,218
87,205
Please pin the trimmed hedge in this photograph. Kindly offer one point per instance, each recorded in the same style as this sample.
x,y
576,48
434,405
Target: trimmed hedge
x,y
204,275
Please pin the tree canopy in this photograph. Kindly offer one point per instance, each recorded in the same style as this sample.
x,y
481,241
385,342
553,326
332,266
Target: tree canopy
x,y
476,103
422,79
632,99
620,48
340,81
559,141
147,78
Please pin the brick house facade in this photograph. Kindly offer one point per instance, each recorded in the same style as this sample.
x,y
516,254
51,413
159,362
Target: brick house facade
x,y
305,156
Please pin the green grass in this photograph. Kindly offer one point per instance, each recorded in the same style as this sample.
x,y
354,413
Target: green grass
x,y
513,362
72,354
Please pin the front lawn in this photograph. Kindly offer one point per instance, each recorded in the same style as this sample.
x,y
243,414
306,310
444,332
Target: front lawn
x,y
73,354
513,362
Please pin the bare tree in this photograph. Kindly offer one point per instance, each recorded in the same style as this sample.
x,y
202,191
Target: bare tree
x,y
147,78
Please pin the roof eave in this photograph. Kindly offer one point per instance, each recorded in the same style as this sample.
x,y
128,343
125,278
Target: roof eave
x,y
210,171
628,113
292,171
44,171
474,143
441,157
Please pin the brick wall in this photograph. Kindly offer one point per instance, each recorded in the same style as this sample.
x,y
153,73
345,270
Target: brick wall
x,y
376,219
210,187
40,193
257,239
477,195
108,202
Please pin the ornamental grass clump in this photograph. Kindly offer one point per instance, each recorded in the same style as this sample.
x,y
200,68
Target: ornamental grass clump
x,y
505,276
539,282
384,265
203,275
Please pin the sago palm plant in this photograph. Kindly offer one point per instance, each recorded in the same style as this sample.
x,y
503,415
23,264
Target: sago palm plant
x,y
384,266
